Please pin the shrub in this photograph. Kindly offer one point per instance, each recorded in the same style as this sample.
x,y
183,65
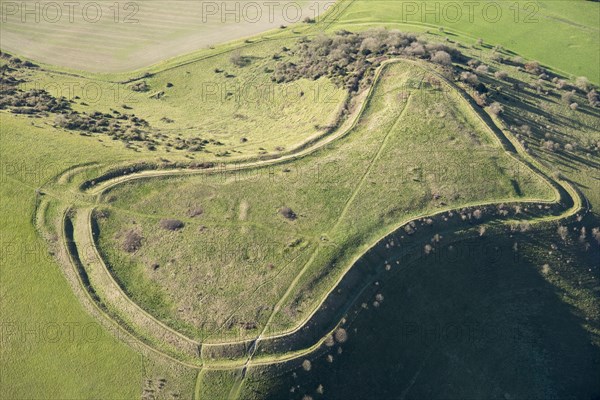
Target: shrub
x,y
427,249
480,99
441,57
496,108
238,60
469,78
482,69
61,121
370,45
306,365
562,232
567,97
473,63
196,211
140,86
171,224
583,234
593,98
550,145
101,214
341,335
596,234
582,83
525,130
132,241
287,212
348,58
569,147
496,58
517,60
533,67
501,75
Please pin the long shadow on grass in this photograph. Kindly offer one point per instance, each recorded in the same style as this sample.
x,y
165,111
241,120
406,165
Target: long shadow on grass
x,y
481,324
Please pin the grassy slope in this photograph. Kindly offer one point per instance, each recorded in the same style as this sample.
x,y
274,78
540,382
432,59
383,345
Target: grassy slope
x,y
268,117
572,25
36,297
468,320
17,141
480,319
364,186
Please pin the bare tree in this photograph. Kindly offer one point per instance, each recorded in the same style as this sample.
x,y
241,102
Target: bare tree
x,y
501,75
482,69
496,108
562,232
593,98
582,83
533,67
441,57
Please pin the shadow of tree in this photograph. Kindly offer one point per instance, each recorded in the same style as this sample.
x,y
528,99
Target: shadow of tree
x,y
485,322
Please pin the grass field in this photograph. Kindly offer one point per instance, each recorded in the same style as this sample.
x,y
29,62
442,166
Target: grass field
x,y
197,278
199,103
226,274
43,325
521,26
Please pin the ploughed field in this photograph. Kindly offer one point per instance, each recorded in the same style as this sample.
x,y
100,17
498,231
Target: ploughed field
x,y
106,36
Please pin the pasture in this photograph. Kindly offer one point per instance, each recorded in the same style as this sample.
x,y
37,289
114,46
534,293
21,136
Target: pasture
x,y
307,179
233,224
523,27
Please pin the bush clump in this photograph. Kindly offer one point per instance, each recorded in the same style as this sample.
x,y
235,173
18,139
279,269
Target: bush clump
x,y
140,86
239,60
195,211
132,241
350,59
441,57
171,224
287,213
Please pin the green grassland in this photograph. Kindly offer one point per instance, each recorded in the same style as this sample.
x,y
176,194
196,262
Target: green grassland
x,y
474,311
381,173
407,147
521,26
201,103
43,324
